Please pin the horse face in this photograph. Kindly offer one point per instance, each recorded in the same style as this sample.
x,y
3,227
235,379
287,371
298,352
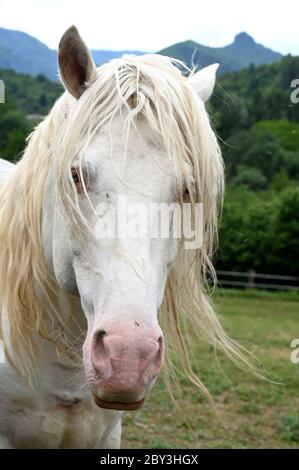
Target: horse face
x,y
120,270
121,274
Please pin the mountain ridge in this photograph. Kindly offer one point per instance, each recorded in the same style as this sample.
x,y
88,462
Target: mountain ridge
x,y
40,59
25,54
242,52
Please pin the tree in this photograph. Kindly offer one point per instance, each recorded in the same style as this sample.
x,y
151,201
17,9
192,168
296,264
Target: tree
x,y
286,244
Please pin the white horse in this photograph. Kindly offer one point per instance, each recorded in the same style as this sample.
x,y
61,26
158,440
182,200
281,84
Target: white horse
x,y
135,127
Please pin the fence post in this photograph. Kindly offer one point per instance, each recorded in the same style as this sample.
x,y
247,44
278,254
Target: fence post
x,y
251,280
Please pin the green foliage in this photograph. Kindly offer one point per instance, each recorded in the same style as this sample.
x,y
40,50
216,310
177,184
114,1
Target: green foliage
x,y
286,132
288,428
28,94
247,221
260,231
255,94
285,249
14,129
258,155
253,112
250,177
24,96
257,149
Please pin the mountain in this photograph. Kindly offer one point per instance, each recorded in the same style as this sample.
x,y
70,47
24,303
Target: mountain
x,y
241,53
24,54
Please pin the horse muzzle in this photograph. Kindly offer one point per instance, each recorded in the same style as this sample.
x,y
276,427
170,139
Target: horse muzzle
x,y
125,364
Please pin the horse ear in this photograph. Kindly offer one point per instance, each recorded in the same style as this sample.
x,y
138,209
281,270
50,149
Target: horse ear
x,y
204,81
76,66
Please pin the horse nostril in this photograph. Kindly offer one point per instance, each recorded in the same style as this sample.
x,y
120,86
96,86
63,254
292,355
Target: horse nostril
x,y
101,333
100,353
98,341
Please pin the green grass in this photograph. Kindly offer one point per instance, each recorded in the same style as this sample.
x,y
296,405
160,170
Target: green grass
x,y
252,413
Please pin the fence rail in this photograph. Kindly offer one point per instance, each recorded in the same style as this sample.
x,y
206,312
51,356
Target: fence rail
x,y
253,280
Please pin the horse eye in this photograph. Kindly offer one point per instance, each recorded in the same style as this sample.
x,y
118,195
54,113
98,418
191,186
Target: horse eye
x,y
76,176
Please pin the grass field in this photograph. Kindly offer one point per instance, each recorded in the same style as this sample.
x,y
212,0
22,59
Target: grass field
x,y
251,413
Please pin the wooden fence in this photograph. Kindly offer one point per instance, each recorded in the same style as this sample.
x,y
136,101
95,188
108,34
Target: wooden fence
x,y
253,280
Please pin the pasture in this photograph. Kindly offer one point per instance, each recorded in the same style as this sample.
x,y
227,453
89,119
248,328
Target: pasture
x,y
252,413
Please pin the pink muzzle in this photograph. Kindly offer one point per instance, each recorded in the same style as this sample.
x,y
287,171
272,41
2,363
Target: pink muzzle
x,y
125,363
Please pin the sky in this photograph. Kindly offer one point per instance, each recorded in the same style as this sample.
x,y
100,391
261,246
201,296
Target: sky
x,y
154,24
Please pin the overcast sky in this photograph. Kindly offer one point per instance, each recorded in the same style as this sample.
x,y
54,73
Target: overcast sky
x,y
153,24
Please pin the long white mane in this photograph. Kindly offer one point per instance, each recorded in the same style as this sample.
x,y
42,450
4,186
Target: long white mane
x,y
149,87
